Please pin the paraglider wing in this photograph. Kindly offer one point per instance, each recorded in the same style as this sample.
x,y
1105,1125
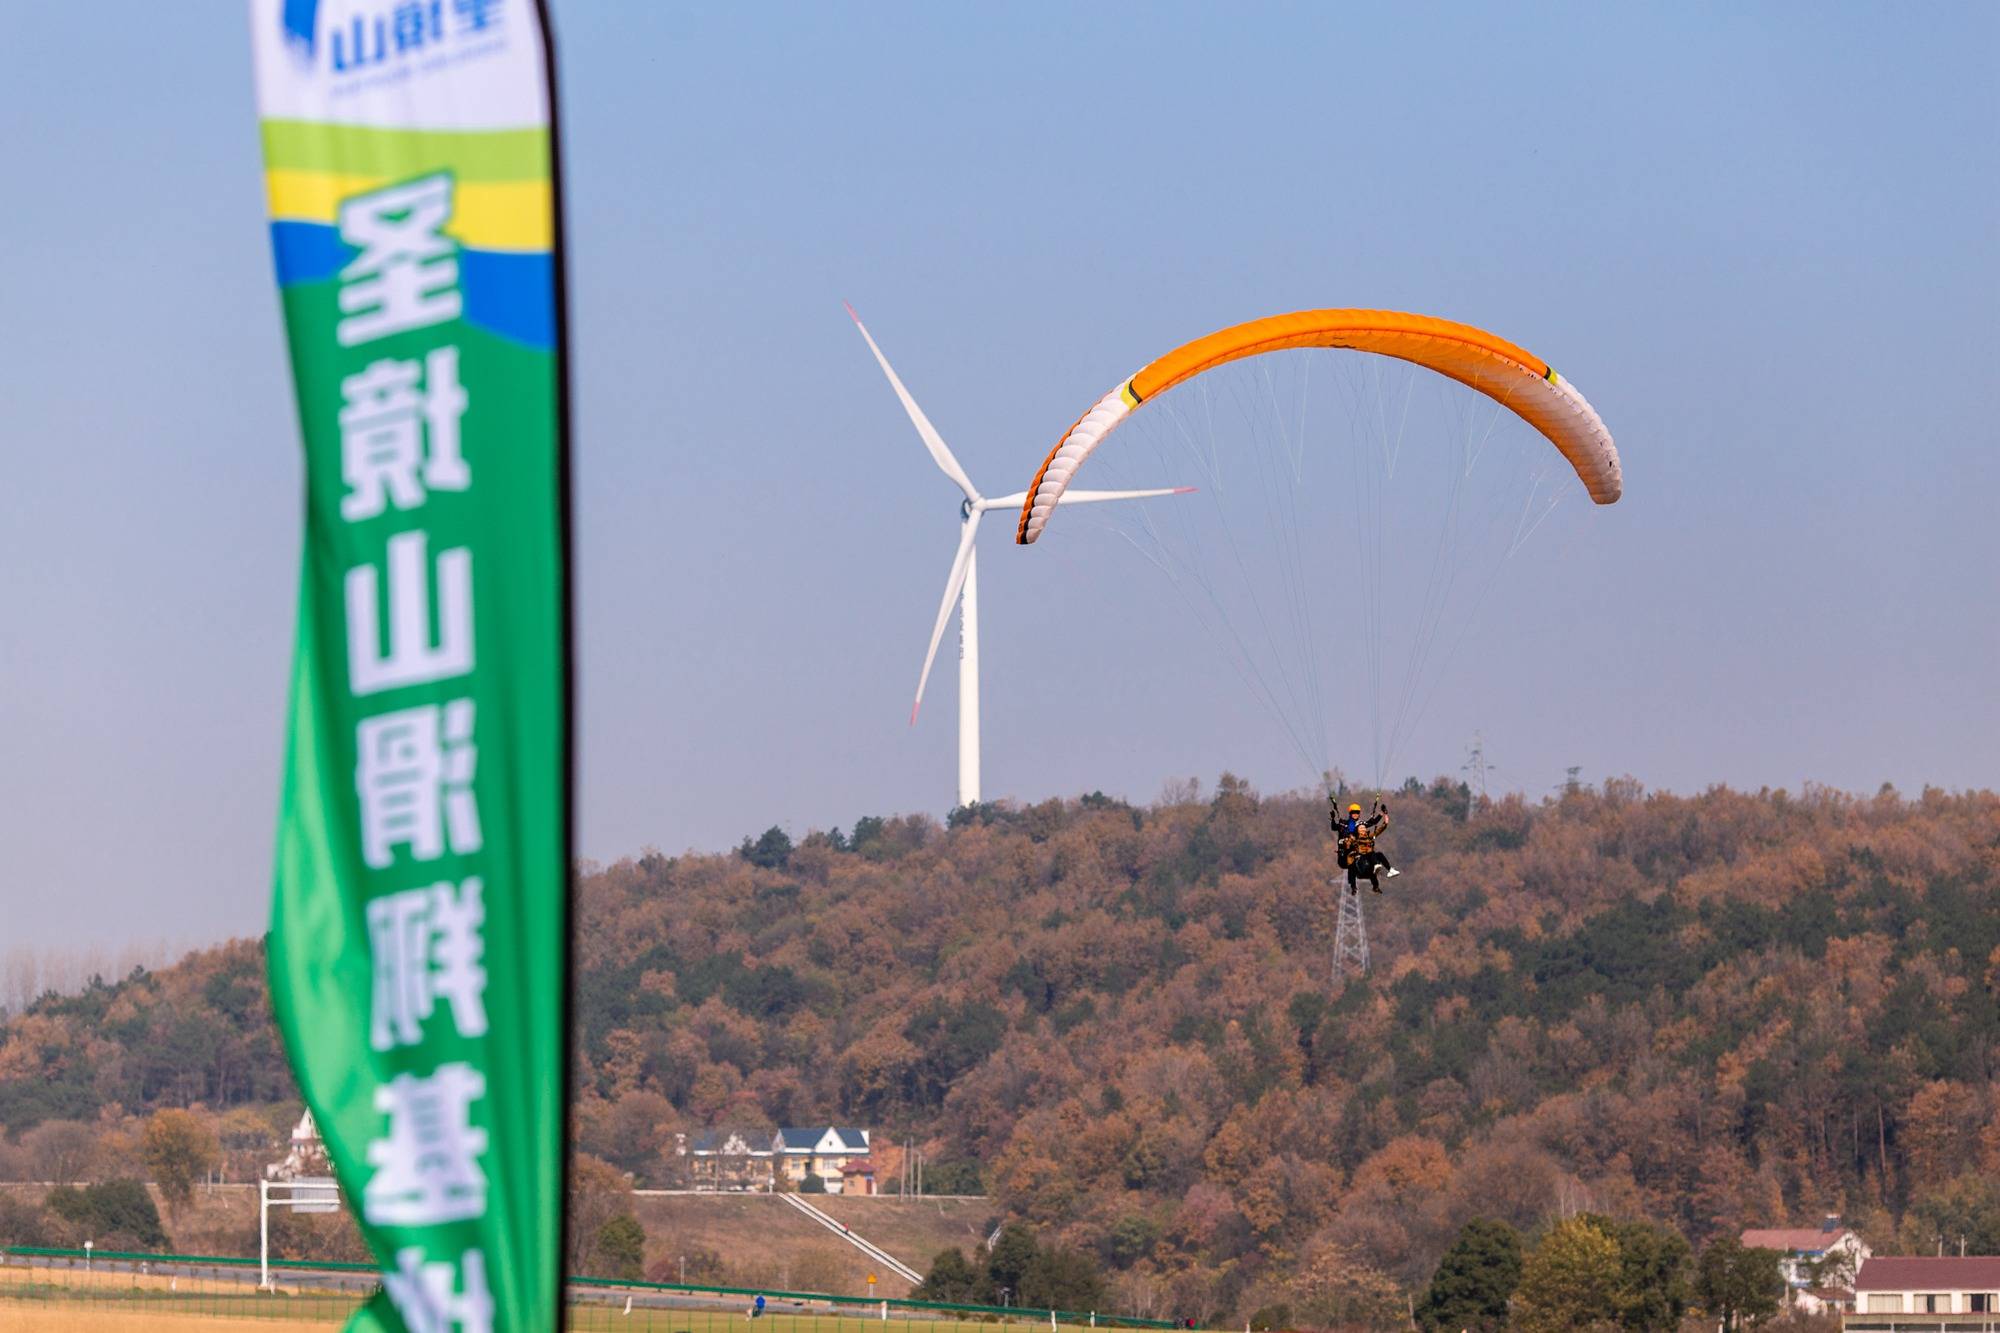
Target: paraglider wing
x,y
1524,384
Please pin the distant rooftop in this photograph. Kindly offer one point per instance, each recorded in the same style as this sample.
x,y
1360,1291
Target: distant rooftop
x,y
1972,1272
717,1141
1807,1240
807,1138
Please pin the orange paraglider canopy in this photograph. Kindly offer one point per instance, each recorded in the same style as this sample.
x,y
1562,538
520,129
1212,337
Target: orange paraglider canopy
x,y
1523,383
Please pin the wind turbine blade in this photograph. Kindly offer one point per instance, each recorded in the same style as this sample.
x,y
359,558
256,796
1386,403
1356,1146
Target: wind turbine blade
x,y
952,587
1094,497
932,440
1015,500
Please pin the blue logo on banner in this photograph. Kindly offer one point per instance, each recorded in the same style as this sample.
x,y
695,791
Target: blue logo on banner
x,y
370,38
301,21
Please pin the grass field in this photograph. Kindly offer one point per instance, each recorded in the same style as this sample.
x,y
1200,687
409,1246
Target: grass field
x,y
75,1298
250,1311
69,1297
760,1240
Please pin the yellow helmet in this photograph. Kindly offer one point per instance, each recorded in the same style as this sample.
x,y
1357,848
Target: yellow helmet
x,y
1354,809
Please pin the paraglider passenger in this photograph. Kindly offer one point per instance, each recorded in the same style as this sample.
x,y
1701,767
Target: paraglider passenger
x,y
1343,827
1357,849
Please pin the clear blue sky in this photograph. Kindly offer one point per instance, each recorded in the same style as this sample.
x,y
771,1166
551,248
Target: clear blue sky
x,y
1766,242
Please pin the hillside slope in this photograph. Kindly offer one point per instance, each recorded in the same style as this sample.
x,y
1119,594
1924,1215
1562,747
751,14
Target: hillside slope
x,y
761,1239
1707,1011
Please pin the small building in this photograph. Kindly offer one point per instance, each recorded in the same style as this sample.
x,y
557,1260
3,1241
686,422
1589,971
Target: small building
x,y
730,1161
858,1176
1818,1263
1951,1294
307,1159
824,1151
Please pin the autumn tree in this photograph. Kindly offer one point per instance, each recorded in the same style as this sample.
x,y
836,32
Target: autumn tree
x,y
247,1141
326,1238
1061,1278
1966,1209
952,1280
1652,1291
178,1148
116,1214
1131,1238
1008,1260
960,1177
619,1249
1738,1286
1474,1281
60,1152
1270,1318
769,850
598,1194
1334,1288
1569,1281
1707,1013
22,1223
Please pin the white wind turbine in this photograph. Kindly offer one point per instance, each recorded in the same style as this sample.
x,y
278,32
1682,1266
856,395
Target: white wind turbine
x,y
962,586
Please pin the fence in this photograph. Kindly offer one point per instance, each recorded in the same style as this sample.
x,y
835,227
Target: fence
x,y
86,1290
116,1290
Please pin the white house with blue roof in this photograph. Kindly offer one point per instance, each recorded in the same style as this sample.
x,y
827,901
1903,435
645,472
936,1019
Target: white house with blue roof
x,y
1818,1263
836,1154
730,1159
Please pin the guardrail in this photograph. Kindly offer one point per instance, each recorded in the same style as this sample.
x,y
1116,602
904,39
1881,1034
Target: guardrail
x,y
233,1273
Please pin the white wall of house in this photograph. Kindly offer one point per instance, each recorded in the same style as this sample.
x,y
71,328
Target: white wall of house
x,y
1928,1302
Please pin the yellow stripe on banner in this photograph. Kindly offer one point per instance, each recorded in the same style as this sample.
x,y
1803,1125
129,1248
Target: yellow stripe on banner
x,y
486,215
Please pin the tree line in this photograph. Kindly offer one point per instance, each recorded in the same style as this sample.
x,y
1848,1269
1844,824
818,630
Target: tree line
x,y
1699,1013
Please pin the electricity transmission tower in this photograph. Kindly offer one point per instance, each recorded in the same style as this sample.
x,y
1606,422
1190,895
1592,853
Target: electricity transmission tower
x,y
1350,936
1476,764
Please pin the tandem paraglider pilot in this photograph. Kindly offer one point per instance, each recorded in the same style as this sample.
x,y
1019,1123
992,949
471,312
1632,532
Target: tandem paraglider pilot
x,y
1354,845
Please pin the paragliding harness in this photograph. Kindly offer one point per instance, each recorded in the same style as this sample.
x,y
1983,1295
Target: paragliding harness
x,y
1345,827
1355,850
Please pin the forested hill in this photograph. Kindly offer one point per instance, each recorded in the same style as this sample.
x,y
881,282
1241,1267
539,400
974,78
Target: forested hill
x,y
1707,1011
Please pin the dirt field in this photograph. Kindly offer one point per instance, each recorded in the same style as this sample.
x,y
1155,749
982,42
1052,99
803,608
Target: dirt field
x,y
913,1230
765,1243
30,1319
244,1311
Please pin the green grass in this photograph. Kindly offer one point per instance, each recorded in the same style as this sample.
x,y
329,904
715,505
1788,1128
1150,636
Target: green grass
x,y
151,1298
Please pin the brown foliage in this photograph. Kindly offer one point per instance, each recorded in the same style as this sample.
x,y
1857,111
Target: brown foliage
x,y
1739,1008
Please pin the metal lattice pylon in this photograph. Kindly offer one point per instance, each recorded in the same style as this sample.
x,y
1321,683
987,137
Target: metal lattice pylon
x,y
1350,936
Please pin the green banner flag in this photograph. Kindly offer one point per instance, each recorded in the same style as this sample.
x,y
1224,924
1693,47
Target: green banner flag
x,y
419,922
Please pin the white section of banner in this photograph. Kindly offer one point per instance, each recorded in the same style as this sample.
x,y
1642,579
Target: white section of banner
x,y
434,64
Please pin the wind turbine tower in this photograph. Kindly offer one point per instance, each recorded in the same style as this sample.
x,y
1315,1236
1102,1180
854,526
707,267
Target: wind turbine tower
x,y
961,587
